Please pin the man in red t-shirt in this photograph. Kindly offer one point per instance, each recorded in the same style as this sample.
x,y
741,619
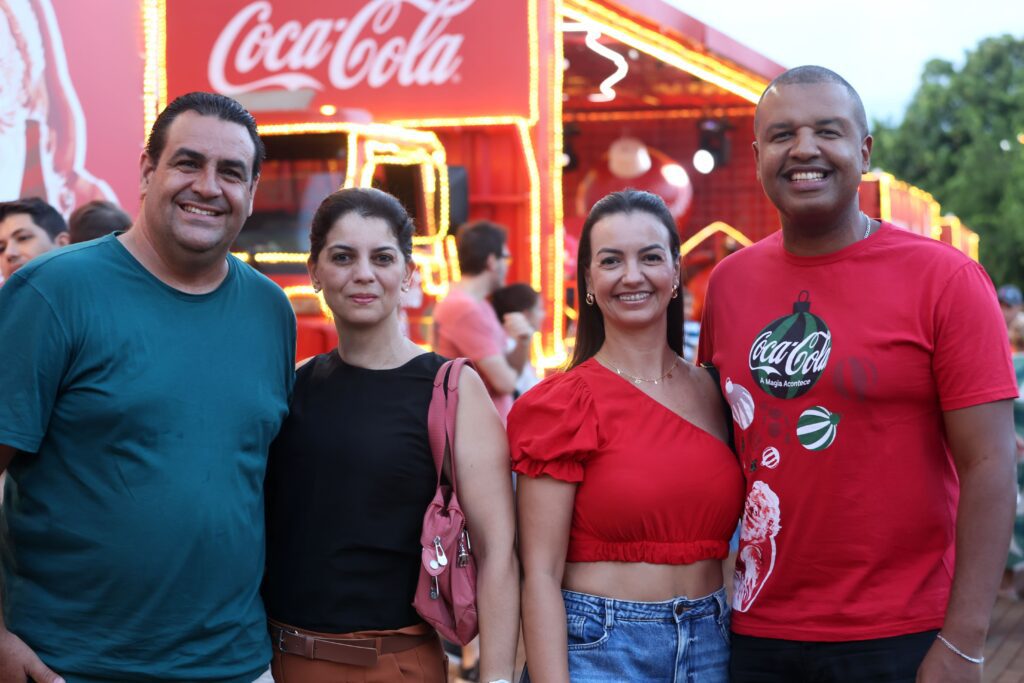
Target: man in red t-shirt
x,y
465,325
870,383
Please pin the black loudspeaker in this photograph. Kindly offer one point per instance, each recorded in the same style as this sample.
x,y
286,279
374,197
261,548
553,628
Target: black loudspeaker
x,y
458,187
712,135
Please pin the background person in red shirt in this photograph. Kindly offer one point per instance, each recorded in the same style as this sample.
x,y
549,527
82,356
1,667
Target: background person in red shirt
x,y
466,324
869,377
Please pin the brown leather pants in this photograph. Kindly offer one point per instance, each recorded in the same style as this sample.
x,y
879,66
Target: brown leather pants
x,y
425,663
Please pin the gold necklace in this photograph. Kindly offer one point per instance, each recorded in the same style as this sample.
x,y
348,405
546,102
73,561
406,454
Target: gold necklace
x,y
639,380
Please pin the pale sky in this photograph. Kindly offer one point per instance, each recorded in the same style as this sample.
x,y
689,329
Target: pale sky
x,y
879,46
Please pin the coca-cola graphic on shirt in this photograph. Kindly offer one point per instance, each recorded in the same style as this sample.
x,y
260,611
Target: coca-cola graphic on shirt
x,y
789,355
741,403
361,48
756,560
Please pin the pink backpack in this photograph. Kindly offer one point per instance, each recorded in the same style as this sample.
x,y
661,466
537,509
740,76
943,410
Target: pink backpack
x,y
446,591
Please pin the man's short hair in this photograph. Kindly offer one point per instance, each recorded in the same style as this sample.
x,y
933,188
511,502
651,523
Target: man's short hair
x,y
205,104
475,242
96,219
42,214
811,74
518,297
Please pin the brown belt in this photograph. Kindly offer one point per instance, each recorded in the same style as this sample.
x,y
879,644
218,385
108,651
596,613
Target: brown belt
x,y
354,651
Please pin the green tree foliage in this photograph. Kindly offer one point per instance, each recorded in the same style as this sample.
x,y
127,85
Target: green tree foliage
x,y
959,141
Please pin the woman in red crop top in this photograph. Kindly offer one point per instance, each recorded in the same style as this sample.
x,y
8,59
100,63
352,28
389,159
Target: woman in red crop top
x,y
627,493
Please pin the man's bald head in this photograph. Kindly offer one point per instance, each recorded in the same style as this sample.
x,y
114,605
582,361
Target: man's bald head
x,y
812,75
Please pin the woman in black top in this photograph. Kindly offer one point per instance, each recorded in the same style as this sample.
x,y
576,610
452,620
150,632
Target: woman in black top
x,y
351,474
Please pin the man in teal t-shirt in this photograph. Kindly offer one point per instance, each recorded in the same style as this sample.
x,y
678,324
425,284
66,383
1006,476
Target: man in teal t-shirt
x,y
144,376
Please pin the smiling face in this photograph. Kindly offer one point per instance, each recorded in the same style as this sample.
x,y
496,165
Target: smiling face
x,y
631,272
21,240
361,271
197,195
810,150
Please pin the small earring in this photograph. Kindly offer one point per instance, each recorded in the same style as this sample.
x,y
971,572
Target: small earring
x,y
316,287
405,288
675,291
590,298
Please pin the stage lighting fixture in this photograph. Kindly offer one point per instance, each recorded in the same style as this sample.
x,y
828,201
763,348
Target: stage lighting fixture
x,y
713,145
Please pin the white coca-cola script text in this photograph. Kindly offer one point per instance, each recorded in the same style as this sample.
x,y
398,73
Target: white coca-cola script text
x,y
358,49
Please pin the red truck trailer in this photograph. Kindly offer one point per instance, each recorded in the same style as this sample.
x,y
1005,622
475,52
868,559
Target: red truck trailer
x,y
518,111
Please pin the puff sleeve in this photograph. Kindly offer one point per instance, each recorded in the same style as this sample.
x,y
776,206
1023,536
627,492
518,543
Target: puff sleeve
x,y
552,429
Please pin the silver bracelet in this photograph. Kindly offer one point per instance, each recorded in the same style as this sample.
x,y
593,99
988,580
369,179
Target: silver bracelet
x,y
958,651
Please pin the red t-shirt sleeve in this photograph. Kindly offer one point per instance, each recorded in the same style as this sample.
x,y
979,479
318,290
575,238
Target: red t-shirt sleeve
x,y
552,429
971,362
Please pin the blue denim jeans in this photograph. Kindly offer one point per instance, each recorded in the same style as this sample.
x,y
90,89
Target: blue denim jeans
x,y
675,641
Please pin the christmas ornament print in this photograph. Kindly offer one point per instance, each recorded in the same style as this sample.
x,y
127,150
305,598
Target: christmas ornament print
x,y
740,402
770,457
789,355
816,428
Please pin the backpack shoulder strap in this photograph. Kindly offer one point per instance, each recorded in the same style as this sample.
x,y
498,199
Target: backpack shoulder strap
x,y
436,414
444,404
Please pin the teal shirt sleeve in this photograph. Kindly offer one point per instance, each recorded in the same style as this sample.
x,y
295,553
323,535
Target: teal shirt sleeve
x,y
36,352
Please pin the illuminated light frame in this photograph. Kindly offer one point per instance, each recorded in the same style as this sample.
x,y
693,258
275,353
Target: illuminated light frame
x,y
296,291
452,252
154,75
887,182
658,115
388,144
973,239
709,230
665,49
271,257
884,181
958,234
370,130
560,310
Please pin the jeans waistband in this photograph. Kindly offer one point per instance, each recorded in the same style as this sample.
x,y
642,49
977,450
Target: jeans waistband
x,y
674,610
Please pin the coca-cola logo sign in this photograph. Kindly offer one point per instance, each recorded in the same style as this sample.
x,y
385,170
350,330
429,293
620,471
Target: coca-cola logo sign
x,y
789,355
254,51
289,61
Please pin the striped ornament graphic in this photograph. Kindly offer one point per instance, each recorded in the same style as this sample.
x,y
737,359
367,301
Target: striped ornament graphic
x,y
816,428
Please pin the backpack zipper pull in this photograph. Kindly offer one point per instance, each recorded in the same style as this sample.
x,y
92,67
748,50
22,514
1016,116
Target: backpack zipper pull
x,y
442,559
464,547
